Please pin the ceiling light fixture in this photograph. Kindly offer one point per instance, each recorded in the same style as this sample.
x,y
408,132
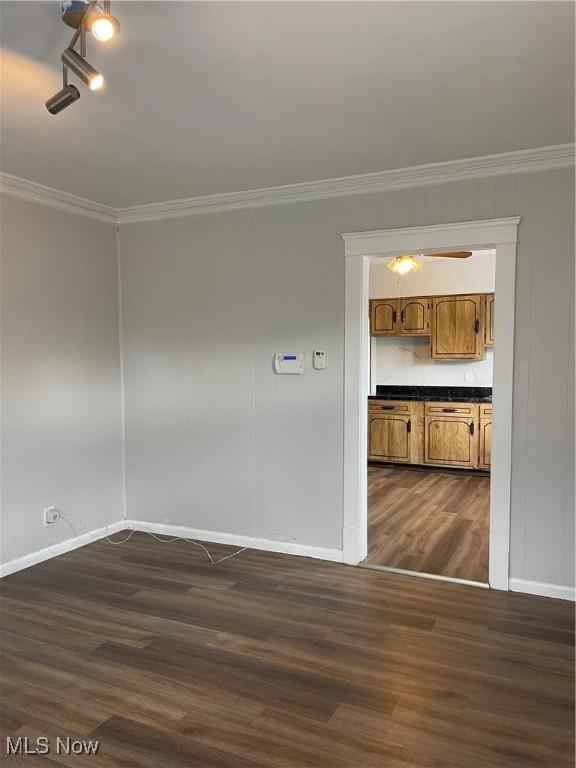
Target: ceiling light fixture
x,y
82,15
401,265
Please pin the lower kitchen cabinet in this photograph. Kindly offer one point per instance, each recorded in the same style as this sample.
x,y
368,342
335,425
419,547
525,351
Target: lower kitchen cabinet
x,y
485,437
437,434
395,431
450,441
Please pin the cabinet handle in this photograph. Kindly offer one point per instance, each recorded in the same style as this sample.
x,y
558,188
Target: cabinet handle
x,y
471,427
409,425
387,407
394,316
402,316
449,410
477,326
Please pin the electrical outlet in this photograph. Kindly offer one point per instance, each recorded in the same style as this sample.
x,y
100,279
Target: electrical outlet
x,y
468,377
51,516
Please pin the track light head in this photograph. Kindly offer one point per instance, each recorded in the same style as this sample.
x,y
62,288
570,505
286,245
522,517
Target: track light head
x,y
93,79
104,27
68,95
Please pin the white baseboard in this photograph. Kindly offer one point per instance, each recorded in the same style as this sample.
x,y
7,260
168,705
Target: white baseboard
x,y
352,549
558,591
58,549
542,589
236,540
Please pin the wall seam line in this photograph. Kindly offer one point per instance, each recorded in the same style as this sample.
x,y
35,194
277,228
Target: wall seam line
x,y
122,385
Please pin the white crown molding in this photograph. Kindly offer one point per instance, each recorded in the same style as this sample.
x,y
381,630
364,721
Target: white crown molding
x,y
56,198
523,161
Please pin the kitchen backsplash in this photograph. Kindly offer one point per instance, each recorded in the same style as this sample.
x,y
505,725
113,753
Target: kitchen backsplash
x,y
406,361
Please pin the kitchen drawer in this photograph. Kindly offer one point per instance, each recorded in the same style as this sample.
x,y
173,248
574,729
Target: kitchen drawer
x,y
454,409
391,406
485,410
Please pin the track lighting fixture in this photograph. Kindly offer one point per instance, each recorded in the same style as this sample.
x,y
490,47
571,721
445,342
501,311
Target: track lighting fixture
x,y
68,95
82,15
82,69
104,27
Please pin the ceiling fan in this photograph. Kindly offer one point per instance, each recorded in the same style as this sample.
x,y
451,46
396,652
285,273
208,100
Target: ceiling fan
x,y
409,263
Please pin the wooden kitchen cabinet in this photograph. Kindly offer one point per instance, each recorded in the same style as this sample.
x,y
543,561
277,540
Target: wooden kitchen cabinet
x,y
460,327
451,435
383,317
434,433
457,327
414,316
395,431
485,437
489,319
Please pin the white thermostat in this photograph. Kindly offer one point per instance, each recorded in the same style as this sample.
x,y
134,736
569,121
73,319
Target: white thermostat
x,y
319,359
289,362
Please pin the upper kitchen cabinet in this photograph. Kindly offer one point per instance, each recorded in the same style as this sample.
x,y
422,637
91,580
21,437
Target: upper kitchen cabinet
x,y
414,316
457,327
489,319
384,317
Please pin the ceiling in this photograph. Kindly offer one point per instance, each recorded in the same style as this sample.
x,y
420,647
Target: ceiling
x,y
202,98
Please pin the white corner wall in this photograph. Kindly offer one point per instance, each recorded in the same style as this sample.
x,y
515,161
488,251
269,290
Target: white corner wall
x,y
216,441
61,418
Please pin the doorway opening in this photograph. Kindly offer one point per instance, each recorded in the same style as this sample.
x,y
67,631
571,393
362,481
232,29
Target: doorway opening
x,y
430,413
436,441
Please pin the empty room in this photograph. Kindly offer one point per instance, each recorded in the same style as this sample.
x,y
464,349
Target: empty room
x,y
287,384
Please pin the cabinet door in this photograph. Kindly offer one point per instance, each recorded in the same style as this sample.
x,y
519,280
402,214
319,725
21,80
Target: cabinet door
x,y
414,316
384,317
485,459
451,441
458,328
489,319
390,437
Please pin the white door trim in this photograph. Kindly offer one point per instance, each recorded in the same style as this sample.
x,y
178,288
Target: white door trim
x,y
359,248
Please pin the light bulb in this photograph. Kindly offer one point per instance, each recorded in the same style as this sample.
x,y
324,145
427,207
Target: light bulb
x,y
404,264
105,27
96,82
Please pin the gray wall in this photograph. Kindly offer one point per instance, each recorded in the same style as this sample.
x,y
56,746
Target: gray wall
x,y
61,417
215,441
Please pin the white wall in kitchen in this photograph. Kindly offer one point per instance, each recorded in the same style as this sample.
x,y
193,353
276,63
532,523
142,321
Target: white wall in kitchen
x,y
472,275
406,360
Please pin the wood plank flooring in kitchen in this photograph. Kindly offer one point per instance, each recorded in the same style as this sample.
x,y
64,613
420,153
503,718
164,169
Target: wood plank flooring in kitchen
x,y
429,521
272,661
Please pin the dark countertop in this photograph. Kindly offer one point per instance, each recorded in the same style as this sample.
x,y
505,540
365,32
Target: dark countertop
x,y
438,394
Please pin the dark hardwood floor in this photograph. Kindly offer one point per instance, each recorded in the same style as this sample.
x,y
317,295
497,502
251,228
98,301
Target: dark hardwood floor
x,y
429,521
274,661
